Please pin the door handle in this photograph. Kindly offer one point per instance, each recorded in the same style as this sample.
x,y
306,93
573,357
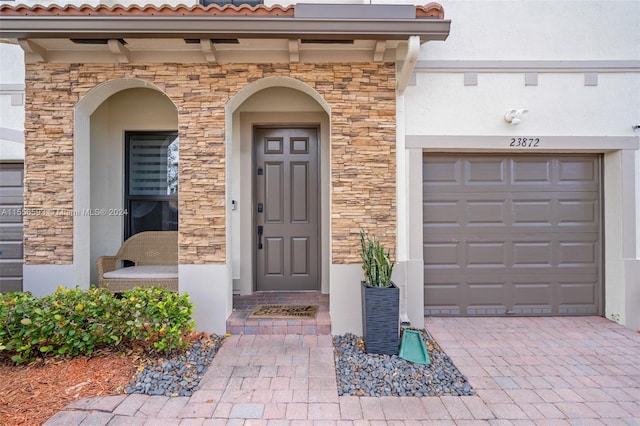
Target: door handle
x,y
260,230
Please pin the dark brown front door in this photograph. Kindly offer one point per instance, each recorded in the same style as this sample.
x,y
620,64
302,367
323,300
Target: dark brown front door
x,y
286,208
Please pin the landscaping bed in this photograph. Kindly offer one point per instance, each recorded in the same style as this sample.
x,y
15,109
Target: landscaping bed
x,y
361,374
38,390
77,343
34,392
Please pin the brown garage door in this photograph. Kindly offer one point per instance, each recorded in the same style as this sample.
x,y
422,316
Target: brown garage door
x,y
11,184
512,235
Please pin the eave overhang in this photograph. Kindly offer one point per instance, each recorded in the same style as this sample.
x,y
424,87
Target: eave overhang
x,y
226,27
17,23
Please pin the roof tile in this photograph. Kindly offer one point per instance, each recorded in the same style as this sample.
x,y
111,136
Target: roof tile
x,y
430,10
151,10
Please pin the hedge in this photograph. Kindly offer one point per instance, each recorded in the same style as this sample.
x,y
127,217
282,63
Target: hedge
x,y
77,322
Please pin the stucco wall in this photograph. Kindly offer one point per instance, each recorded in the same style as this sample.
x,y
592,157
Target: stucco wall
x,y
362,100
557,42
575,65
559,105
11,103
539,29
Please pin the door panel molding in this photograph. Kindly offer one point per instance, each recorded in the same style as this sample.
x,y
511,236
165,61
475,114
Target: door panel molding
x,y
286,205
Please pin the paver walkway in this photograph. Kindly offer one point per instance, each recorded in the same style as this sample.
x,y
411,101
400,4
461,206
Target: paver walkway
x,y
526,371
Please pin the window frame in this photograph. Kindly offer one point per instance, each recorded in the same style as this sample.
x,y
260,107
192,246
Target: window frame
x,y
128,197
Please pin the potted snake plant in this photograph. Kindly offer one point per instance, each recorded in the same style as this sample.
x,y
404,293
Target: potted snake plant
x,y
380,298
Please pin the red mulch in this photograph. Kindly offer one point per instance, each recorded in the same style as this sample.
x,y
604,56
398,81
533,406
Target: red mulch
x,y
31,394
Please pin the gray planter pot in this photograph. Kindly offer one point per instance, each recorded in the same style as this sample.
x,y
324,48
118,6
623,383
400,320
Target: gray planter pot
x,y
380,319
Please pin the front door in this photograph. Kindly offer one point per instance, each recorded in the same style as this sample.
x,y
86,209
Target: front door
x,y
286,208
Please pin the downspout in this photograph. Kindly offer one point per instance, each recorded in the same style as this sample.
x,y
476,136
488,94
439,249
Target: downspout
x,y
408,64
413,50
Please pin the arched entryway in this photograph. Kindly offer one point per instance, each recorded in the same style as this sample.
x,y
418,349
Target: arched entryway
x,y
104,117
277,103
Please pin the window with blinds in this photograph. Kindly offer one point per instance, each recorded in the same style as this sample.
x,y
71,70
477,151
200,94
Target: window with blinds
x,y
151,193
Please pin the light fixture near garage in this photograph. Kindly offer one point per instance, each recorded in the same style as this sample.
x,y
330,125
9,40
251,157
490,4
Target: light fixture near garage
x,y
514,116
636,128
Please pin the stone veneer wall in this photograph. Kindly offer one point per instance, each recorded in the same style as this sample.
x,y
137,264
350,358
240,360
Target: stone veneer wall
x,y
363,133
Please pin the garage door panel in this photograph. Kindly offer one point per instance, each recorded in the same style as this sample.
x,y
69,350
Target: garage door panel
x,y
506,275
11,228
488,212
532,212
11,181
11,197
532,293
512,235
444,294
531,171
489,293
442,172
13,250
521,173
11,284
579,171
531,309
578,253
566,209
444,310
526,297
443,213
529,254
11,268
577,294
442,254
578,310
554,250
578,298
486,254
483,171
577,212
11,232
12,176
489,310
9,214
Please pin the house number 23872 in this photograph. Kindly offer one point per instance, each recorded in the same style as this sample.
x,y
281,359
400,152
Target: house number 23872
x,y
524,142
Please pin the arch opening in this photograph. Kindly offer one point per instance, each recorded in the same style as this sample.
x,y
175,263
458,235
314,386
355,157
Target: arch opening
x,y
280,102
101,119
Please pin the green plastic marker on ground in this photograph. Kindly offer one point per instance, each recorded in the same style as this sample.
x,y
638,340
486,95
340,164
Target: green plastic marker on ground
x,y
412,347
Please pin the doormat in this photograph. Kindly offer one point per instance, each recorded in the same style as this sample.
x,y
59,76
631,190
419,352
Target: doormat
x,y
285,311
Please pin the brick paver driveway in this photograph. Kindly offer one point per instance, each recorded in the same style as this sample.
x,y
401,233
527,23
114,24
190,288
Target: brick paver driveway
x,y
526,371
571,370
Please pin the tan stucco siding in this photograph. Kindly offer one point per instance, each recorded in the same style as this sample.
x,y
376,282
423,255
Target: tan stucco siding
x,y
362,102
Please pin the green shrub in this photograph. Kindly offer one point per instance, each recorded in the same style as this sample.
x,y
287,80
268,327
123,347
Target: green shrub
x,y
157,316
376,263
78,322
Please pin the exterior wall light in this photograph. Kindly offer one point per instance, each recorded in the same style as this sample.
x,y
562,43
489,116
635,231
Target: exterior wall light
x,y
514,116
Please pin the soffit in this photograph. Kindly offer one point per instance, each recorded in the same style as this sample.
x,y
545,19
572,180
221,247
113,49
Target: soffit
x,y
203,34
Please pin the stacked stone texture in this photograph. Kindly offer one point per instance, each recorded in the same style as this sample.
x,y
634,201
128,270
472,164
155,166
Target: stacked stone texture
x,y
363,133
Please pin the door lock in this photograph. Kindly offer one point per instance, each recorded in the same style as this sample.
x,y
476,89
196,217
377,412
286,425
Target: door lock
x,y
260,230
260,207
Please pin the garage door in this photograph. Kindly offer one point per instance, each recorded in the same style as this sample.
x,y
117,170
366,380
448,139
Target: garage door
x,y
512,235
11,254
